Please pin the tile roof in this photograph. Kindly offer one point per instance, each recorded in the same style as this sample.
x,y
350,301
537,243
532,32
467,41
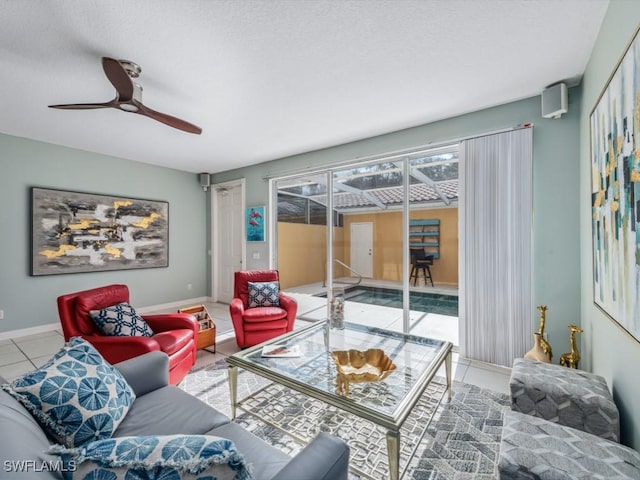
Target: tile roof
x,y
418,193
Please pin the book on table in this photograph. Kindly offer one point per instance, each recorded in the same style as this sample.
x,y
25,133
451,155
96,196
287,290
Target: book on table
x,y
280,351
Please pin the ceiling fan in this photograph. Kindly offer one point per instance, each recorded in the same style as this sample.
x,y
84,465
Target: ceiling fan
x,y
129,95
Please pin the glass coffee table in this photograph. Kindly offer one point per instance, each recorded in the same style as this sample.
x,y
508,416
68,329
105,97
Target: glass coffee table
x,y
386,403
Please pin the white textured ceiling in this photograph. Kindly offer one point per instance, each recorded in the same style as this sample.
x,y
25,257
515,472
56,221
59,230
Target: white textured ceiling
x,y
271,78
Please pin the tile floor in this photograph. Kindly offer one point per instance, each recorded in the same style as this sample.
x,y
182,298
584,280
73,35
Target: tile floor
x,y
20,355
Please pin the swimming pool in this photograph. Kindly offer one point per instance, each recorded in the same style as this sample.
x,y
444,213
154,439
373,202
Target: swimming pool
x,y
389,297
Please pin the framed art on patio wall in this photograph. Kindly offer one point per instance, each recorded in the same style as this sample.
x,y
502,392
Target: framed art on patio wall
x,y
74,232
615,193
255,222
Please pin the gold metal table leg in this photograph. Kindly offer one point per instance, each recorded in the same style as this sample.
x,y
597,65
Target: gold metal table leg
x,y
393,452
447,367
233,389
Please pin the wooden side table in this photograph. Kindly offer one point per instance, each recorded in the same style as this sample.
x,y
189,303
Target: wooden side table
x,y
206,325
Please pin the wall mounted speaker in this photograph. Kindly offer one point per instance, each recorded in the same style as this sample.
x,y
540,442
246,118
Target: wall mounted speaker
x,y
205,181
554,101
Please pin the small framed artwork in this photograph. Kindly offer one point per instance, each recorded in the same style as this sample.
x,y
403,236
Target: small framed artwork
x,y
615,194
255,222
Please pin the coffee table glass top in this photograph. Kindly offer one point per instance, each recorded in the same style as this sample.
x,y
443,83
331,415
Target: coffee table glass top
x,y
314,372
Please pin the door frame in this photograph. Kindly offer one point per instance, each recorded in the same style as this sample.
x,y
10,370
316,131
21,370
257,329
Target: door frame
x,y
215,229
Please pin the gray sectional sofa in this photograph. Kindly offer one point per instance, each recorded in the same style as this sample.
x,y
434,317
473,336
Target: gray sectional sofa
x,y
161,409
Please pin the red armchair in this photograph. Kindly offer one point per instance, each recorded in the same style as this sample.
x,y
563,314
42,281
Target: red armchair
x,y
175,334
258,324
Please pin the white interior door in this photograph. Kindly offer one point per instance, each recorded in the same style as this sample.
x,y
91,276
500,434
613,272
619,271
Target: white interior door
x,y
229,234
362,248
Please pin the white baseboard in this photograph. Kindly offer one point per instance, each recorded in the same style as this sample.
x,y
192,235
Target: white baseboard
x,y
173,305
24,332
49,327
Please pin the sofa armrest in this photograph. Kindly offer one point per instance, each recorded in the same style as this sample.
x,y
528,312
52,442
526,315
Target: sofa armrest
x,y
146,373
236,310
325,458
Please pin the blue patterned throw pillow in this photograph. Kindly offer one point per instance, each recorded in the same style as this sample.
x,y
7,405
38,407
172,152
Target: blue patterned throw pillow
x,y
264,294
165,457
121,320
77,397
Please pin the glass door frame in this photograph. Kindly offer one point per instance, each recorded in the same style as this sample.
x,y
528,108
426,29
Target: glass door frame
x,y
404,161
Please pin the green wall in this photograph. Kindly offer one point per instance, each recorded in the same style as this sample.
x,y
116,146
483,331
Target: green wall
x,y
562,273
607,350
556,257
31,301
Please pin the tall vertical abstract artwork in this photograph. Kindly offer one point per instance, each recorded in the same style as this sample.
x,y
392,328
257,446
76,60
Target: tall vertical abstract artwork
x,y
76,232
615,193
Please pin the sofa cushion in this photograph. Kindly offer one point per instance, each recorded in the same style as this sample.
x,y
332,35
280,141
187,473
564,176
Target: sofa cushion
x,y
568,396
256,452
264,314
23,441
534,448
120,320
264,294
156,413
179,457
76,396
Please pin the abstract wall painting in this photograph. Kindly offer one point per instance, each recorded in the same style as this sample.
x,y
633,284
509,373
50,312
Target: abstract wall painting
x,y
75,232
255,224
615,193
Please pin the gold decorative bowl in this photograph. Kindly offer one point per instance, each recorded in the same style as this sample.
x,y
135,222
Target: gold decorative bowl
x,y
356,366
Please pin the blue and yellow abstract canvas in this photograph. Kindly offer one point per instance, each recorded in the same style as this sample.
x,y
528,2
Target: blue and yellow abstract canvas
x,y
615,194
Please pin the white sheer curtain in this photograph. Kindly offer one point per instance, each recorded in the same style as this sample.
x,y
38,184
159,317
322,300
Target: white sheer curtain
x,y
495,215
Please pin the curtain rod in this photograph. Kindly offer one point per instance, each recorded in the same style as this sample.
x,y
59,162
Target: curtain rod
x,y
389,155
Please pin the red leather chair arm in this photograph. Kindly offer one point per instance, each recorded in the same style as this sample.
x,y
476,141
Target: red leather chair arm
x,y
236,309
291,306
118,349
171,321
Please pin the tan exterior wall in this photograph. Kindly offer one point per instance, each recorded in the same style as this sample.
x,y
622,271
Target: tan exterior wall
x,y
302,253
302,249
387,241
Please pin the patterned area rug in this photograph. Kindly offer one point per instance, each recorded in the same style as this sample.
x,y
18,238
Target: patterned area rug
x,y
462,441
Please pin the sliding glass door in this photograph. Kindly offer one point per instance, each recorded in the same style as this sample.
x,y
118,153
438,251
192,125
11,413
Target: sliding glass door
x,y
433,243
301,230
391,248
368,258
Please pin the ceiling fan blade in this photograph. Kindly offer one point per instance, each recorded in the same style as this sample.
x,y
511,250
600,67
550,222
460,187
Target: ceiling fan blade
x,y
119,78
168,119
83,106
